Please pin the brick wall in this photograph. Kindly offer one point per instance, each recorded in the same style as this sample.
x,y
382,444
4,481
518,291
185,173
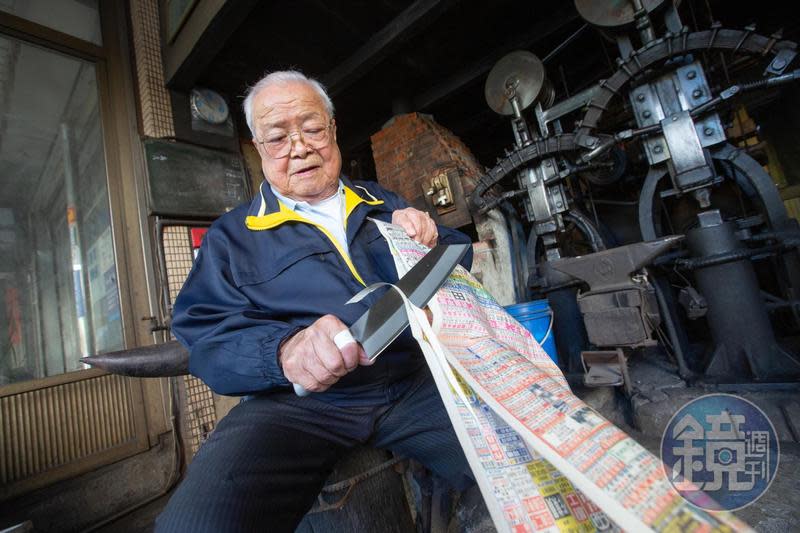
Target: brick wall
x,y
411,150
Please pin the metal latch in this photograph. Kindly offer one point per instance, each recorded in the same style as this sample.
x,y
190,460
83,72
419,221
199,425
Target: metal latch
x,y
693,302
439,190
155,324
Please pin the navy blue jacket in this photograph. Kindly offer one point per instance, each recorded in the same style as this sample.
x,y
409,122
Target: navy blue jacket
x,y
264,272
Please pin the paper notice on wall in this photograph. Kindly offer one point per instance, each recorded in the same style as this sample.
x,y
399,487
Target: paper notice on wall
x,y
544,460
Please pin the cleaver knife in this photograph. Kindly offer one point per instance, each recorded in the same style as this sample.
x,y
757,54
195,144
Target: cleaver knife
x,y
386,319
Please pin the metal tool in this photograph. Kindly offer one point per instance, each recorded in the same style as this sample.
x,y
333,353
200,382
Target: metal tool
x,y
386,319
517,80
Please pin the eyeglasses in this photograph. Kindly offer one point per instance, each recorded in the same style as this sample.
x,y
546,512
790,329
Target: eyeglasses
x,y
315,136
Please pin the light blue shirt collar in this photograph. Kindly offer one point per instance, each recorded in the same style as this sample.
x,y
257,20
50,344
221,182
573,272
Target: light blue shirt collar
x,y
294,205
328,214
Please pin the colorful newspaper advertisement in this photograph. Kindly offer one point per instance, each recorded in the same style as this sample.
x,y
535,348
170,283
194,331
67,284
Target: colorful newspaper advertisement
x,y
543,459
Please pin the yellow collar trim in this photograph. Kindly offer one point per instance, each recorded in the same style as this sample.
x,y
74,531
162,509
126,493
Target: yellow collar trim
x,y
273,220
284,214
351,200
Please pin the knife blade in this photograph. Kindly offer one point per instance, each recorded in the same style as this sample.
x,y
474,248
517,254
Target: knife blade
x,y
386,319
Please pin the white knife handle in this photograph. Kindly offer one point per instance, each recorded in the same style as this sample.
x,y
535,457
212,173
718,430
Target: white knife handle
x,y
341,339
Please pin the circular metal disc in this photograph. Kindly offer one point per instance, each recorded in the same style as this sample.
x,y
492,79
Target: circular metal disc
x,y
611,13
521,73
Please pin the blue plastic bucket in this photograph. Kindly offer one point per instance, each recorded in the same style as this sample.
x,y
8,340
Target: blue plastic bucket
x,y
537,317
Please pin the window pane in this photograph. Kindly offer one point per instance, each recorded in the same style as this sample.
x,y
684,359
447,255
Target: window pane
x,y
57,269
79,18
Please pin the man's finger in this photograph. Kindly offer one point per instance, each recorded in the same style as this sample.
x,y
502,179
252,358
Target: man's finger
x,y
329,365
409,225
321,375
348,347
363,360
305,379
405,219
351,355
431,232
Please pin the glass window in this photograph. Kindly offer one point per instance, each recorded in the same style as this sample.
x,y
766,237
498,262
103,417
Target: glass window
x,y
58,279
79,18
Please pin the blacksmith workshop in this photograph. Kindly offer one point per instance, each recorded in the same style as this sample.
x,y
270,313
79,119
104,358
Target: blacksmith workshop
x,y
431,266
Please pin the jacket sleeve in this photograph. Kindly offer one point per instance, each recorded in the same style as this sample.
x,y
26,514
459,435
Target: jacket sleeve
x,y
446,235
233,345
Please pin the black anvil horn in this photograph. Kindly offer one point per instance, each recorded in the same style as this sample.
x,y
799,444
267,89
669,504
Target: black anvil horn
x,y
156,361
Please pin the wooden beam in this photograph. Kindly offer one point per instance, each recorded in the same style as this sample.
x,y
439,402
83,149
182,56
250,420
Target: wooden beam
x,y
410,22
541,30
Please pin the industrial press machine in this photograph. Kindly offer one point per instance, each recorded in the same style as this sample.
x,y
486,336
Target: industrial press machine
x,y
651,229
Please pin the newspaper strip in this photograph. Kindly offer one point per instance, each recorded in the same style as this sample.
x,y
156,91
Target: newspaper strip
x,y
543,459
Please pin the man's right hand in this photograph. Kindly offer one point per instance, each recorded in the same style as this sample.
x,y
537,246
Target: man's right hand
x,y
311,359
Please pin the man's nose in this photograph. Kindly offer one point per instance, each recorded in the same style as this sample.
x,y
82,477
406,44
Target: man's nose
x,y
298,145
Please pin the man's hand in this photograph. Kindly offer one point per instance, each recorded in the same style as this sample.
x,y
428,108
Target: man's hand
x,y
311,358
418,224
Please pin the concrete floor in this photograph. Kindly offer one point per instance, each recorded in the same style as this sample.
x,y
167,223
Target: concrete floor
x,y
141,520
79,503
778,510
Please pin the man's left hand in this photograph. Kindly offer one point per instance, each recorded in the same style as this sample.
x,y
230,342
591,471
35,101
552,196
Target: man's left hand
x,y
418,224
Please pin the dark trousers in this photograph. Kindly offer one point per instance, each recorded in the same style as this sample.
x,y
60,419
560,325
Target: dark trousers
x,y
263,466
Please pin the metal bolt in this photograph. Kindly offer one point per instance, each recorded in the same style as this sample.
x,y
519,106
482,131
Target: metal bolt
x,y
640,97
778,63
559,205
697,93
691,75
708,132
646,114
674,118
548,164
658,149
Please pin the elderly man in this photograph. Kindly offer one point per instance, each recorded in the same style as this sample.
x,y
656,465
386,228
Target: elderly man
x,y
259,312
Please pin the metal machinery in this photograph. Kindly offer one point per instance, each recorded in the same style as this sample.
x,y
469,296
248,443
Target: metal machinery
x,y
728,268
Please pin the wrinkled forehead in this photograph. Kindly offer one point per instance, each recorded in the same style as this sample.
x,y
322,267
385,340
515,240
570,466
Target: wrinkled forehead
x,y
285,104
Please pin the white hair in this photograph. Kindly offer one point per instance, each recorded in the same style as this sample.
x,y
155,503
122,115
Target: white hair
x,y
276,78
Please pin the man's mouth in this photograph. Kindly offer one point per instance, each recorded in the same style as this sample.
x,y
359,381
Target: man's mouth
x,y
306,170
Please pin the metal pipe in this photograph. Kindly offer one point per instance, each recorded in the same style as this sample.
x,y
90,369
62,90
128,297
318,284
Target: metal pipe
x,y
672,331
643,23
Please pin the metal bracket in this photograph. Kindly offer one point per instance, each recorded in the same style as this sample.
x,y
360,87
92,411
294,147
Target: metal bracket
x,y
606,368
680,90
687,158
440,192
693,303
780,62
155,324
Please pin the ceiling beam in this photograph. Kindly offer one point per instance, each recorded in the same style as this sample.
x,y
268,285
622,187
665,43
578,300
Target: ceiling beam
x,y
410,22
197,43
466,75
541,30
